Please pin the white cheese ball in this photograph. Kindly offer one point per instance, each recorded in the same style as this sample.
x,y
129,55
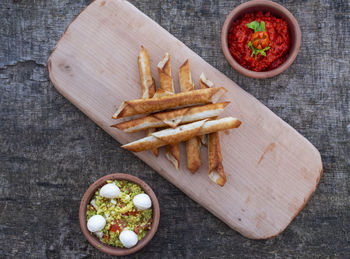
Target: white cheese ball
x,y
142,201
96,223
110,190
128,238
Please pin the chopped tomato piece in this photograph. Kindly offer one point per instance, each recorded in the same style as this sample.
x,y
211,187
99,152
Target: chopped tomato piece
x,y
114,228
134,213
260,39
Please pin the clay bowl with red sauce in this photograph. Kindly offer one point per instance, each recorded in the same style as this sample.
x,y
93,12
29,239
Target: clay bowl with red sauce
x,y
90,192
275,10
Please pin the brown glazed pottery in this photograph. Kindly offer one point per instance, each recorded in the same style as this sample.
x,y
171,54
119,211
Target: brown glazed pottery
x,y
276,10
93,239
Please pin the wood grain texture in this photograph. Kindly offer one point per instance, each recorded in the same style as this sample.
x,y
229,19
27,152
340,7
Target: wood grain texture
x,y
271,170
54,151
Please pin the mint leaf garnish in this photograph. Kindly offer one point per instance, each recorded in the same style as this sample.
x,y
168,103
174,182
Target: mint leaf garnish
x,y
256,26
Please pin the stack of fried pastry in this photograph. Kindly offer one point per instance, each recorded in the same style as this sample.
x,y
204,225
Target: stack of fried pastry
x,y
170,118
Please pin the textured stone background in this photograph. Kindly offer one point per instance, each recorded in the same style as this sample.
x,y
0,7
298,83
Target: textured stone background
x,y
50,152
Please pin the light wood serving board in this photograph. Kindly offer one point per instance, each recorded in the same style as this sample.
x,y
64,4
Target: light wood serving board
x,y
271,169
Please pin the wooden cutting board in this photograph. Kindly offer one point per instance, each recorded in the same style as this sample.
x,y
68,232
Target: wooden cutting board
x,y
271,169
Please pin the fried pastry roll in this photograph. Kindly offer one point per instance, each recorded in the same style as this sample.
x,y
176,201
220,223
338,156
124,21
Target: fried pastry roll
x,y
205,83
147,81
148,84
191,98
172,118
166,86
212,141
192,145
182,133
164,72
216,169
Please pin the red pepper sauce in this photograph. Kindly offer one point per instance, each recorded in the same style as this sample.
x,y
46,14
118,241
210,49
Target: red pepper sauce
x,y
239,36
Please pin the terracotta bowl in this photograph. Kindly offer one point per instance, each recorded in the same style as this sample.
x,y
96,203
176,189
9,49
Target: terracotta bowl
x,y
276,10
94,240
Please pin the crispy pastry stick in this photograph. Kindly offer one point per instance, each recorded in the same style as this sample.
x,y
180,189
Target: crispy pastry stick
x,y
205,83
166,84
149,132
164,72
216,169
182,133
192,145
148,85
172,153
172,118
147,81
185,78
191,98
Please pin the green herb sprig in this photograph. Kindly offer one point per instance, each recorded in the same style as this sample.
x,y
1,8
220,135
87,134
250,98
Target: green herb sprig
x,y
256,51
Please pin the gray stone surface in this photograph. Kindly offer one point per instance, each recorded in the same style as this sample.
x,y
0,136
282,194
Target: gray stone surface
x,y
50,152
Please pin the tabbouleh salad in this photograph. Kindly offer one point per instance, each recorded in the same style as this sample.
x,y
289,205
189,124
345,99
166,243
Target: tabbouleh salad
x,y
120,213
